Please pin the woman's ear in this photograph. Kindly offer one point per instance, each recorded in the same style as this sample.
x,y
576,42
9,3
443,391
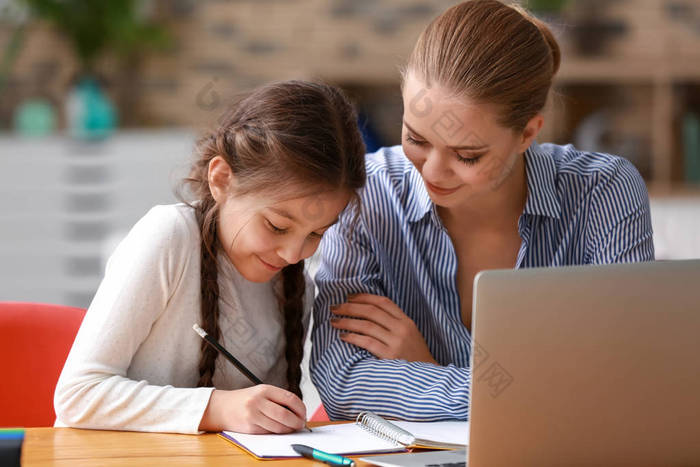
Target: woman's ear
x,y
530,132
220,178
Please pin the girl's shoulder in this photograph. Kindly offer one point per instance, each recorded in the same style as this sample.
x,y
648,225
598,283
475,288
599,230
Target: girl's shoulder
x,y
159,250
172,219
172,227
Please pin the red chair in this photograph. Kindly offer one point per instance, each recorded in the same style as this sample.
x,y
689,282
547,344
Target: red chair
x,y
320,415
34,342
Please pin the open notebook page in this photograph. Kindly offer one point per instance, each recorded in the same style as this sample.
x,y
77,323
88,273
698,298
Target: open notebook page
x,y
447,432
347,438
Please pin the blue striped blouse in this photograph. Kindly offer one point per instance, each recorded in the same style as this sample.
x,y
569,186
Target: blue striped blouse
x,y
581,208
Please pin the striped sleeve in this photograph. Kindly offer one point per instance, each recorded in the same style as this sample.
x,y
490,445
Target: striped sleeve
x,y
350,379
620,231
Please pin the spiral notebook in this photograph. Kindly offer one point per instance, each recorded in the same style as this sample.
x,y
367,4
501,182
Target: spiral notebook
x,y
369,434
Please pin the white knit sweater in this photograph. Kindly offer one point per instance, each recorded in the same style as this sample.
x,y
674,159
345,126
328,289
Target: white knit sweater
x,y
133,365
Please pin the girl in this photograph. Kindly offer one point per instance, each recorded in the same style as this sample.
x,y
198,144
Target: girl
x,y
284,162
468,190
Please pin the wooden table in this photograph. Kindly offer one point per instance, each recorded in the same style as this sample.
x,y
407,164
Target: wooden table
x,y
73,447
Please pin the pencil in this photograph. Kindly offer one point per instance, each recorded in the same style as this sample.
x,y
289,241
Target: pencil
x,y
241,367
220,348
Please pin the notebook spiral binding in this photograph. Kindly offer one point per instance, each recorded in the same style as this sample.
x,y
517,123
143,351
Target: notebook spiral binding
x,y
384,429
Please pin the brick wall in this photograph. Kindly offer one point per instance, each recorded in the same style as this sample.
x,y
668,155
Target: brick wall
x,y
224,47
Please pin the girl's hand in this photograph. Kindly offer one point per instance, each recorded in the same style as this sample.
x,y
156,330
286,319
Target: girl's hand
x,y
377,325
257,409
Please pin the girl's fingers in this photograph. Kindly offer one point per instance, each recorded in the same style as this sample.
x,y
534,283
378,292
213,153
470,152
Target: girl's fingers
x,y
366,312
270,424
362,326
370,344
286,399
378,301
284,420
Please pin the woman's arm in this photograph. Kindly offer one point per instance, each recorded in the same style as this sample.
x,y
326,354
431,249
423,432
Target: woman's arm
x,y
350,379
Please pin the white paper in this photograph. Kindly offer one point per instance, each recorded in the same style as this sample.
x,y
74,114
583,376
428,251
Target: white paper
x,y
344,438
348,438
446,432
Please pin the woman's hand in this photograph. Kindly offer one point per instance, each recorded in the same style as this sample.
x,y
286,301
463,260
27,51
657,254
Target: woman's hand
x,y
258,409
377,325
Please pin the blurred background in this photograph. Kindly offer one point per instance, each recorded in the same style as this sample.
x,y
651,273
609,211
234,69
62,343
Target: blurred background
x,y
100,102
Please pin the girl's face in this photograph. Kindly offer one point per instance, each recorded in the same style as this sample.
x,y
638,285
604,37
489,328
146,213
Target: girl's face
x,y
458,146
261,235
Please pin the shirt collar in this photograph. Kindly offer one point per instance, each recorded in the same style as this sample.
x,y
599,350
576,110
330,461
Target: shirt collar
x,y
541,174
419,202
542,197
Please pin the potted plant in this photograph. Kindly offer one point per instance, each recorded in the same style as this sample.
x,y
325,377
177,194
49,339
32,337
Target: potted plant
x,y
93,28
548,7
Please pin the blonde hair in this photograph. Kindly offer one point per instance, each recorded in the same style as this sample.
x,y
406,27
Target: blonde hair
x,y
492,53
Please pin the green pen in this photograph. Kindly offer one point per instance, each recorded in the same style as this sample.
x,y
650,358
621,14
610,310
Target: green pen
x,y
332,459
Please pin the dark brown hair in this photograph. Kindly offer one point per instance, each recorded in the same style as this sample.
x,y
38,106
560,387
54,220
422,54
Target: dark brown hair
x,y
290,136
492,53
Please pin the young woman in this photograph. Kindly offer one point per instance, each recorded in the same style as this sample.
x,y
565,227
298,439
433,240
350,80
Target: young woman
x,y
267,184
468,190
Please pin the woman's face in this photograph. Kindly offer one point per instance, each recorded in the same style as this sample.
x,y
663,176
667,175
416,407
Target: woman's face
x,y
457,145
261,235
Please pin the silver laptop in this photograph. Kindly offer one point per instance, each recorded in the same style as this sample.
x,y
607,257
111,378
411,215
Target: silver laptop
x,y
421,459
584,365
